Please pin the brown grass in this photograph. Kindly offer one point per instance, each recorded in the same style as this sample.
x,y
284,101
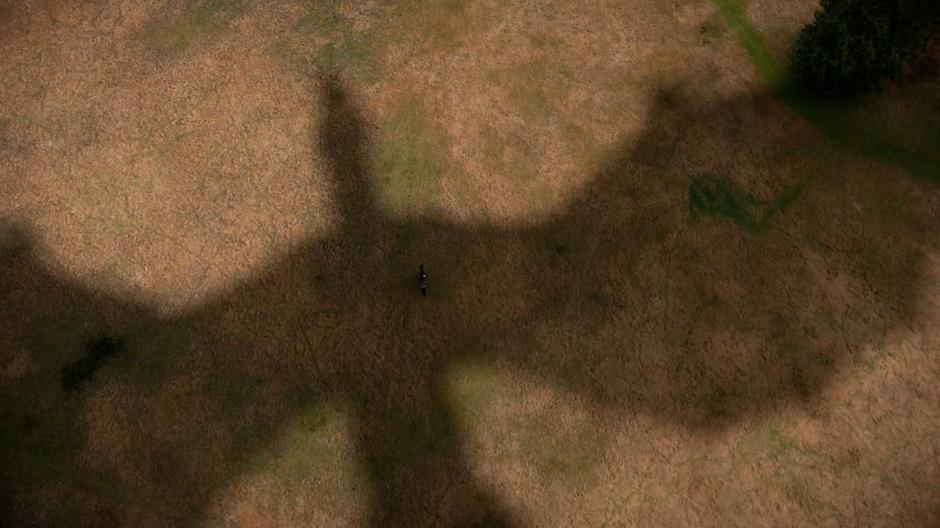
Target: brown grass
x,y
248,207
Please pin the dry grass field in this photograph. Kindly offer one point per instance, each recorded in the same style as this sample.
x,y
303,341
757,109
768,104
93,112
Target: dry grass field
x,y
666,290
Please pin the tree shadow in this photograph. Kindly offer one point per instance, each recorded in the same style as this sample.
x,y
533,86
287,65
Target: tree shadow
x,y
636,304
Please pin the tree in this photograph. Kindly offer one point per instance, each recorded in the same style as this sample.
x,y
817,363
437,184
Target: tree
x,y
853,45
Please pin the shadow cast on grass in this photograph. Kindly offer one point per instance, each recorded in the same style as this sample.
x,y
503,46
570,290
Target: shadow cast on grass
x,y
839,121
622,298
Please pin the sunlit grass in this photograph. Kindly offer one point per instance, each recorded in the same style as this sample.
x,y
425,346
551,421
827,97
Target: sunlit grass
x,y
174,34
412,159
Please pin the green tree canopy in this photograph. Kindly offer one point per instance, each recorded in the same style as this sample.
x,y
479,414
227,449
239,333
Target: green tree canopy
x,y
853,45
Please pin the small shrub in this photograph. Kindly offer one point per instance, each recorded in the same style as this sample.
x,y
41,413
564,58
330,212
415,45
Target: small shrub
x,y
853,45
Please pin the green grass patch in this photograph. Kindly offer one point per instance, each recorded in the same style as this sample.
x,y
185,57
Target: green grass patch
x,y
441,25
770,442
532,87
559,462
351,53
171,35
412,159
471,386
557,458
720,197
778,444
797,490
753,43
436,26
581,144
530,99
306,445
324,41
321,17
511,154
841,122
345,49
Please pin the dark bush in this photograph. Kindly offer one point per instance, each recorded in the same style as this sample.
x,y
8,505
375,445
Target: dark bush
x,y
853,45
97,351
